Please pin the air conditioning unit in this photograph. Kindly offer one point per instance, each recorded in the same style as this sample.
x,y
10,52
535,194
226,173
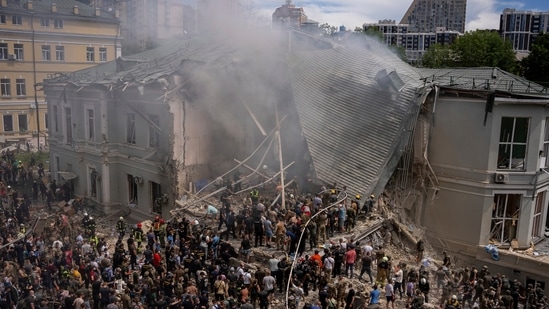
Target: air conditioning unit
x,y
12,57
501,178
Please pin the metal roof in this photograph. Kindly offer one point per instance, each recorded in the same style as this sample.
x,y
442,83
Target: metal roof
x,y
482,78
354,104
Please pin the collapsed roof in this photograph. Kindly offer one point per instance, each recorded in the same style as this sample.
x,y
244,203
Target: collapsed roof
x,y
355,105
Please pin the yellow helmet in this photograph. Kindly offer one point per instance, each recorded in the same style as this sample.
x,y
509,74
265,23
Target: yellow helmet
x,y
358,196
333,191
372,196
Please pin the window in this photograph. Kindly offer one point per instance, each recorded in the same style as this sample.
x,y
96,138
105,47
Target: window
x,y
130,129
8,123
90,124
5,87
132,190
60,53
55,117
21,87
18,51
154,136
17,20
513,140
94,177
3,51
23,123
2,19
44,22
505,217
90,54
46,53
68,126
46,121
537,228
102,54
58,23
158,199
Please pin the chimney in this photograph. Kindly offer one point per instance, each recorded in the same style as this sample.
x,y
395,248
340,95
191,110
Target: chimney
x,y
4,3
97,11
53,7
76,10
29,5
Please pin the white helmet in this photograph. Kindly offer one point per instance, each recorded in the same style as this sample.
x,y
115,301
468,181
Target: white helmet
x,y
423,280
121,218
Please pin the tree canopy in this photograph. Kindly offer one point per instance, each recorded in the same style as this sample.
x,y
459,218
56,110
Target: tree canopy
x,y
479,48
536,65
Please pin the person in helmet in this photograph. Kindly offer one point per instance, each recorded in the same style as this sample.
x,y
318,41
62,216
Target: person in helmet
x,y
453,303
138,235
424,287
369,204
22,229
91,226
121,227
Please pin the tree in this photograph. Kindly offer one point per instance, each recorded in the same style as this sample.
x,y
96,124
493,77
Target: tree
x,y
479,48
438,56
536,65
327,30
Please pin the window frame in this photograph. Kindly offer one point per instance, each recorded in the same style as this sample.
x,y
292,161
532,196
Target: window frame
x,y
5,87
154,135
130,129
60,53
46,53
510,143
19,51
4,52
90,123
4,117
90,54
3,19
21,87
102,54
17,20
25,119
44,22
57,23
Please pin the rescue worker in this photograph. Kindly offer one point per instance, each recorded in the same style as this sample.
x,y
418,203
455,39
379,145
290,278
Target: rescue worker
x,y
254,195
121,227
22,230
162,233
369,204
91,226
156,227
93,242
138,235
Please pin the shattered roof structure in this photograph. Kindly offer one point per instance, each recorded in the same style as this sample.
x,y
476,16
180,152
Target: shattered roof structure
x,y
483,78
355,104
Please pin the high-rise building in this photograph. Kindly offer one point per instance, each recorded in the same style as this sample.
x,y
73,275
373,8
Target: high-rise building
x,y
522,27
144,22
288,15
414,43
41,39
428,15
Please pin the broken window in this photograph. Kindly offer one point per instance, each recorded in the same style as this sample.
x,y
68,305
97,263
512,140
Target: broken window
x,y
90,124
537,229
132,190
154,136
94,176
513,140
23,123
505,215
130,128
68,126
8,123
157,199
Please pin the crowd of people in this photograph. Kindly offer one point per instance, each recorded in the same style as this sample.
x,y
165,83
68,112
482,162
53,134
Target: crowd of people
x,y
185,263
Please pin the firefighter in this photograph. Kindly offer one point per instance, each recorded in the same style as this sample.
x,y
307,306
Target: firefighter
x,y
254,195
94,241
121,227
138,236
22,230
91,226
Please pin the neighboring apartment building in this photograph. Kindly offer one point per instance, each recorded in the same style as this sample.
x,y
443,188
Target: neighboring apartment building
x,y
289,16
522,27
428,15
40,39
414,43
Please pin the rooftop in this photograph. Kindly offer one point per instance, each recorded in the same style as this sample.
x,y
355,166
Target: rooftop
x,y
64,8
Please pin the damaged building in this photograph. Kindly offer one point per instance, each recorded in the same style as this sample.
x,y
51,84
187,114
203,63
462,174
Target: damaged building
x,y
460,152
